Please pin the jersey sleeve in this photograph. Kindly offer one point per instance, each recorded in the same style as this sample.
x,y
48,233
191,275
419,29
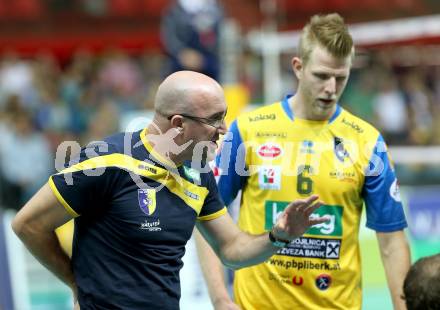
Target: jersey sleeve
x,y
381,193
230,157
213,206
87,184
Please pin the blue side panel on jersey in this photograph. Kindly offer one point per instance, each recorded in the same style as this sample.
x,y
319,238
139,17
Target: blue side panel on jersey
x,y
230,182
384,212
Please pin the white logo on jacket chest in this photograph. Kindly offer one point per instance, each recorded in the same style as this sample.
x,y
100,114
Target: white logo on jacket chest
x,y
151,226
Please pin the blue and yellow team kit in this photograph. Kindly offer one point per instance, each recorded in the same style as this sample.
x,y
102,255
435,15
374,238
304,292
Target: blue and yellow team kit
x,y
275,158
134,213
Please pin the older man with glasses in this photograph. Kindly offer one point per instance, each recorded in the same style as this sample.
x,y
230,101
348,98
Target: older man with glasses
x,y
133,215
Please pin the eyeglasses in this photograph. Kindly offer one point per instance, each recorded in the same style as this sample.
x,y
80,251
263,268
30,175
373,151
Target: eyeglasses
x,y
216,123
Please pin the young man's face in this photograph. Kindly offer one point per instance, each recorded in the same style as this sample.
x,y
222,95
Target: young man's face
x,y
321,81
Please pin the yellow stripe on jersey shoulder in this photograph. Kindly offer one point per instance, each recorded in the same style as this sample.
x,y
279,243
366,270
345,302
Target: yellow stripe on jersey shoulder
x,y
213,215
192,194
61,199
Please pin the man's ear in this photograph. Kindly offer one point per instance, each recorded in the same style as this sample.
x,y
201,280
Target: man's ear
x,y
297,66
177,122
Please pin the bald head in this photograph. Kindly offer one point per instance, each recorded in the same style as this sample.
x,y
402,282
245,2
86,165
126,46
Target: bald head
x,y
187,91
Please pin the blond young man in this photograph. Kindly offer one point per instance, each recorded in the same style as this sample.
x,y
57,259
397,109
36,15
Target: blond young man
x,y
307,144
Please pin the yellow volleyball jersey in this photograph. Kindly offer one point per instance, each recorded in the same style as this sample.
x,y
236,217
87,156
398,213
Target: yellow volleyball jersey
x,y
275,158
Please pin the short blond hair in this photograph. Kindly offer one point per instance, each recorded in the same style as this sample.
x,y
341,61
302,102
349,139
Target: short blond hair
x,y
330,32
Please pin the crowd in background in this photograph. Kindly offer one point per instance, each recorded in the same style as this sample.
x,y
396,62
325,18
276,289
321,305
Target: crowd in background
x,y
43,103
402,102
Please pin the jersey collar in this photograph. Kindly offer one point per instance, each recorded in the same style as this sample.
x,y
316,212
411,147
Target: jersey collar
x,y
161,159
289,112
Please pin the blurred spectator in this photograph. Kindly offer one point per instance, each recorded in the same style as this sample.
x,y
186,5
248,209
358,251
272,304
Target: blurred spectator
x,y
75,82
359,96
419,102
50,113
152,67
120,79
422,284
390,110
190,35
436,105
25,160
17,78
95,7
103,122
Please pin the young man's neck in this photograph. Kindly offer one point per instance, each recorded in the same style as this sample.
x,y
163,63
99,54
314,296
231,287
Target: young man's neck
x,y
304,110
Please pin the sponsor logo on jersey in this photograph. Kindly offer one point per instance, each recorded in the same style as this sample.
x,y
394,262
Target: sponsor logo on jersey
x,y
312,248
147,200
269,150
323,282
333,227
297,280
339,149
148,168
302,264
271,134
217,171
307,147
191,195
151,226
280,278
262,117
269,177
395,191
192,173
344,176
353,125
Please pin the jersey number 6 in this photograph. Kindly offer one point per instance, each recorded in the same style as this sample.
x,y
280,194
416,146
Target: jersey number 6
x,y
304,184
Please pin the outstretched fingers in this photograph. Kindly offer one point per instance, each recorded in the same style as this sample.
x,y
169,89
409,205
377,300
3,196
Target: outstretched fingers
x,y
302,204
313,218
298,217
318,220
311,208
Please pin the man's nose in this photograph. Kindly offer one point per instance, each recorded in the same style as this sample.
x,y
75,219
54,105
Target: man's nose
x,y
222,129
330,86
